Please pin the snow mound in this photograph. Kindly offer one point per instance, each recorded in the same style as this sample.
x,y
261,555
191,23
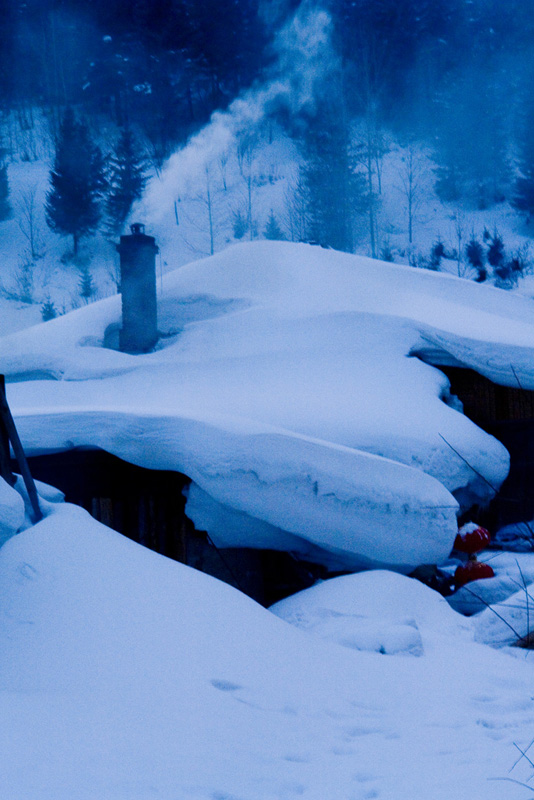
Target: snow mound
x,y
508,622
379,611
372,635
517,537
125,676
16,511
512,572
285,385
11,511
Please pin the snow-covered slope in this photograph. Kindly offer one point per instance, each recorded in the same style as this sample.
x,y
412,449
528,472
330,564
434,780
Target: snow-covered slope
x,y
126,676
286,387
374,610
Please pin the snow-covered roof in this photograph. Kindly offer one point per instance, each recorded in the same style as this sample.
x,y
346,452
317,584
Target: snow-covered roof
x,y
285,385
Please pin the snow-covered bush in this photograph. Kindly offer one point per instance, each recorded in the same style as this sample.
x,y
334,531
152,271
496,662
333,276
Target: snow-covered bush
x,y
11,511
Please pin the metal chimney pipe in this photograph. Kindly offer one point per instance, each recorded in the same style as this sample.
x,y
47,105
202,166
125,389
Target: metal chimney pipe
x,y
139,332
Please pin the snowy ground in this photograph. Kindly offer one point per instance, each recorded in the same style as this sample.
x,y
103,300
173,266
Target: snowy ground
x,y
126,676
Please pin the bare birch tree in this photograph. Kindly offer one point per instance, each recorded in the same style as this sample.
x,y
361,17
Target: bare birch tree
x,y
28,219
413,179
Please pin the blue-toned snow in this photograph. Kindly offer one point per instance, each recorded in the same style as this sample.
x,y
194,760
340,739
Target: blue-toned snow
x,y
127,676
287,386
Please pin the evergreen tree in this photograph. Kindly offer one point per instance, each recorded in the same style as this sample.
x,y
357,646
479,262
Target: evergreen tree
x,y
331,186
48,310
127,179
272,229
475,256
226,42
87,286
475,253
523,198
73,204
239,224
496,251
381,40
437,252
472,146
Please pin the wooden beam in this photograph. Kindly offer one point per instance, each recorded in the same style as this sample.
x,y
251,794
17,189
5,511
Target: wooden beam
x,y
8,424
5,466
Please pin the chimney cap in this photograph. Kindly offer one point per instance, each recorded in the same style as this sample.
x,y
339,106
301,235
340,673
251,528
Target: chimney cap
x,y
136,239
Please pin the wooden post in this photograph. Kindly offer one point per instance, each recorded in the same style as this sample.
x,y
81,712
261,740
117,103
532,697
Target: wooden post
x,y
8,425
5,465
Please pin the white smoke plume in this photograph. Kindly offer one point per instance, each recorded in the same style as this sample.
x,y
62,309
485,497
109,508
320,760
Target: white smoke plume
x,y
305,58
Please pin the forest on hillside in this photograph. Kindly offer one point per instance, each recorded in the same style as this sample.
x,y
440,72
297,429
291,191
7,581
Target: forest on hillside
x,y
455,75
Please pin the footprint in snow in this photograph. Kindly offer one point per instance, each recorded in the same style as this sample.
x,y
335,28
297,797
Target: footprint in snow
x,y
27,571
224,796
363,777
484,698
225,686
351,733
296,758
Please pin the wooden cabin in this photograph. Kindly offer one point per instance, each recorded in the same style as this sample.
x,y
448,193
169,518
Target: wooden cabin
x,y
508,414
148,506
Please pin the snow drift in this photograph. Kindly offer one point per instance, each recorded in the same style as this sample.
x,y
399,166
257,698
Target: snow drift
x,y
377,611
285,385
126,676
